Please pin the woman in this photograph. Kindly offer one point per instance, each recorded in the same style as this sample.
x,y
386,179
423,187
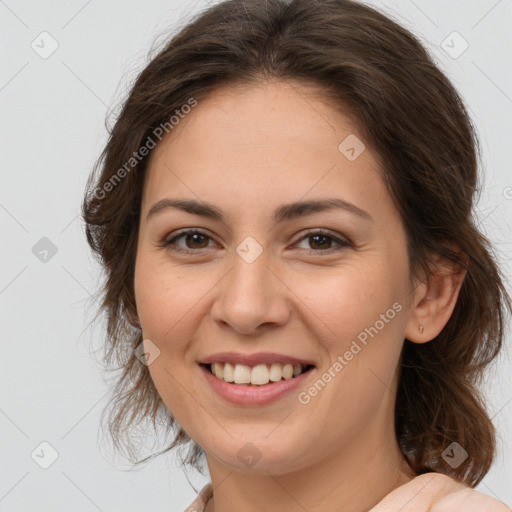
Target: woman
x,y
294,281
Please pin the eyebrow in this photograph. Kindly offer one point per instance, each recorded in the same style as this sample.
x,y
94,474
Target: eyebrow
x,y
284,212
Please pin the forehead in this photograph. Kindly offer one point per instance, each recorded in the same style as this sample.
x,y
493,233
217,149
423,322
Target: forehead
x,y
264,142
277,114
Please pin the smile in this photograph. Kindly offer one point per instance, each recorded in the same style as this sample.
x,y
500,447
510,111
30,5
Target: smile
x,y
242,391
258,375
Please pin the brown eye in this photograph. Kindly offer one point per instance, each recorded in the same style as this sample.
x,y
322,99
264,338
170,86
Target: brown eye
x,y
193,240
318,241
196,241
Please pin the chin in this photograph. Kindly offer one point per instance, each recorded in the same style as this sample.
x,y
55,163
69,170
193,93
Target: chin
x,y
261,457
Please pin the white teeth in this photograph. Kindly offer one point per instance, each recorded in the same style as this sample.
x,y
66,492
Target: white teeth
x,y
229,372
258,375
288,371
242,374
276,372
218,370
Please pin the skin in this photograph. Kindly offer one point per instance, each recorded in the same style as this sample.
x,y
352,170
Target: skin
x,y
248,150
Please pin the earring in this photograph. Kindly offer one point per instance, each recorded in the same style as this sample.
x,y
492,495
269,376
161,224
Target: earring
x,y
420,328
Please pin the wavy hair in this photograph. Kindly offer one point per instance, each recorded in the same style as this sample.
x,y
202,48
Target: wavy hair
x,y
415,121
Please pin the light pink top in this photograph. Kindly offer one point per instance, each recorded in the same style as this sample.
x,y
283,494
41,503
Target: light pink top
x,y
199,504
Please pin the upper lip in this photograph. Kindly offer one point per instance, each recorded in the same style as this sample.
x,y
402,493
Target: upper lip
x,y
254,359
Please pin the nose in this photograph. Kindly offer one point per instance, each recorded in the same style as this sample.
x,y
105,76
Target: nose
x,y
252,297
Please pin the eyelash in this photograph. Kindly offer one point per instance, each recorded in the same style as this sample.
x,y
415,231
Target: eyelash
x,y
170,243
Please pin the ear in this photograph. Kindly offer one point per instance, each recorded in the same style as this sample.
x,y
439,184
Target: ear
x,y
435,299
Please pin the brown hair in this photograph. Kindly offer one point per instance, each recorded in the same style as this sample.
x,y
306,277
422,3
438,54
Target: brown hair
x,y
415,121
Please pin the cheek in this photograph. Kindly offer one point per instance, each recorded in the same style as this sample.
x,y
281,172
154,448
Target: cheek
x,y
168,304
345,301
168,299
357,316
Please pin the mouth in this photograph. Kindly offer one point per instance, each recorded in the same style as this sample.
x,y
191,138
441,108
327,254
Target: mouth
x,y
256,375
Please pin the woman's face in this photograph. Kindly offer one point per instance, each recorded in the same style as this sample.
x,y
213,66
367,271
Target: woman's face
x,y
328,286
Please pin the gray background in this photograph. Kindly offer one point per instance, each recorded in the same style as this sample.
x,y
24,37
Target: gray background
x,y
52,131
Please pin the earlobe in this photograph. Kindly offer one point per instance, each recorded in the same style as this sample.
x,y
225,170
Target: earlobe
x,y
434,302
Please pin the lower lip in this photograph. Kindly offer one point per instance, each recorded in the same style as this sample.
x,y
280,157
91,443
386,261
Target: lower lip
x,y
248,394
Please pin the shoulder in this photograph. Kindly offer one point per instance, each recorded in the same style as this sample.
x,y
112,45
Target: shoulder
x,y
437,492
199,503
